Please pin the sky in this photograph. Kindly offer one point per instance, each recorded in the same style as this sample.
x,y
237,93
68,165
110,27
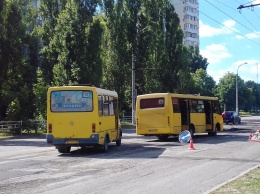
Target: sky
x,y
229,38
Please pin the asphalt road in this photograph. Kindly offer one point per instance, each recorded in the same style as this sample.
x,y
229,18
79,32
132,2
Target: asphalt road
x,y
140,165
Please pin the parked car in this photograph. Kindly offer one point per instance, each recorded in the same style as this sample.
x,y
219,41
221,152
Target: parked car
x,y
232,117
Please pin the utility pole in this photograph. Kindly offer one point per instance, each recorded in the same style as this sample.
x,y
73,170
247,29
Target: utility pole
x,y
133,86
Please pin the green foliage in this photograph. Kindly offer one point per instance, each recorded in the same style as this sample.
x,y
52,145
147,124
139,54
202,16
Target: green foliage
x,y
226,91
13,110
76,42
40,101
203,83
196,61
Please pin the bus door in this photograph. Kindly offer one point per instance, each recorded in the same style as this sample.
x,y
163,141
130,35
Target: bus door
x,y
208,115
107,116
115,107
185,116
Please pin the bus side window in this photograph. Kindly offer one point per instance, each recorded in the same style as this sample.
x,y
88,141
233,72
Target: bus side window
x,y
193,106
105,105
100,106
216,107
111,106
176,105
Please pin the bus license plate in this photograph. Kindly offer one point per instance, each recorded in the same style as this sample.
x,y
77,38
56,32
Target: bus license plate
x,y
153,130
72,142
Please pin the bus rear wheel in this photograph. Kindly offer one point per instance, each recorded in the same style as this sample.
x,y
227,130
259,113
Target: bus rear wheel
x,y
64,149
119,140
162,137
105,146
192,131
213,133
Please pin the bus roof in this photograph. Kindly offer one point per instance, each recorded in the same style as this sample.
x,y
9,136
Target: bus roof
x,y
189,96
84,87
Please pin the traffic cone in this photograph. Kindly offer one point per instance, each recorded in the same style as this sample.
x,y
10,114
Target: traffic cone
x,y
250,137
191,144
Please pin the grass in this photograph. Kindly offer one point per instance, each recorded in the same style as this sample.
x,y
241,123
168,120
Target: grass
x,y
127,125
9,135
249,113
248,183
5,135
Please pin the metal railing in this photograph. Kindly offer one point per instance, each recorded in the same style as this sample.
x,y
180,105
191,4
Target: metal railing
x,y
18,126
126,119
11,126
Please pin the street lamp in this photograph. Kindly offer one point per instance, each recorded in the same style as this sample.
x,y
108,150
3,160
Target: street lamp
x,y
237,88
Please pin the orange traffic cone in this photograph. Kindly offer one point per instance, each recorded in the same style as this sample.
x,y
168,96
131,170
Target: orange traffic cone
x,y
191,144
250,137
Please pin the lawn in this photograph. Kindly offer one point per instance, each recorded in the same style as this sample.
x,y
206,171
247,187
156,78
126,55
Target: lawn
x,y
248,183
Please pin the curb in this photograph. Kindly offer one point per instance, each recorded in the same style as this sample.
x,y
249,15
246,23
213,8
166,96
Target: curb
x,y
234,178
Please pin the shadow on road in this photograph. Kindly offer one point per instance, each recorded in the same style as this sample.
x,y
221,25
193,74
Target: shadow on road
x,y
115,152
34,140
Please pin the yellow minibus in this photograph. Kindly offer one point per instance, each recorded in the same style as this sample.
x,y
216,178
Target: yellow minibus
x,y
165,114
82,115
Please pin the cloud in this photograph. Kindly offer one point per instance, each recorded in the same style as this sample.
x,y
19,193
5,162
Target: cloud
x,y
248,69
209,31
249,35
215,53
216,74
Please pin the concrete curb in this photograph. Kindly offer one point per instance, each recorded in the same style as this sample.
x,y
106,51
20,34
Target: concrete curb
x,y
234,178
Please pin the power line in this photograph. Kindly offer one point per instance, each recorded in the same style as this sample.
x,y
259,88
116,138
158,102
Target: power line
x,y
240,13
229,28
255,14
238,2
249,22
248,2
233,18
226,5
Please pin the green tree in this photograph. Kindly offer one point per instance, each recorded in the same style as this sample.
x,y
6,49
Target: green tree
x,y
48,12
203,83
118,24
77,43
226,91
12,62
196,60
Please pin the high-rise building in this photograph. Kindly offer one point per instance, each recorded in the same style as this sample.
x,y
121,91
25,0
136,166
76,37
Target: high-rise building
x,y
188,12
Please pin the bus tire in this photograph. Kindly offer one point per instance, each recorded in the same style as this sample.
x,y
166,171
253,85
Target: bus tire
x,y
64,149
213,133
105,146
162,137
192,130
119,140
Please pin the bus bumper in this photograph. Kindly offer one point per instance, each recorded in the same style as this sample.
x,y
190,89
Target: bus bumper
x,y
93,140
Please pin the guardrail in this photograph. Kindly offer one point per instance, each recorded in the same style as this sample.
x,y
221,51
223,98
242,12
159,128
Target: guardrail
x,y
126,119
11,126
16,127
33,125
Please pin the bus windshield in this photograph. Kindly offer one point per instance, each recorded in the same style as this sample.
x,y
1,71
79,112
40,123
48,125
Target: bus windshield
x,y
71,101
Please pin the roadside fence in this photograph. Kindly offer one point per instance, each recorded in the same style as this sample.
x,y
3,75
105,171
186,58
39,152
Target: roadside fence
x,y
17,127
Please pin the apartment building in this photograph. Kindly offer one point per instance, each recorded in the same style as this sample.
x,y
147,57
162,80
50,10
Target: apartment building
x,y
188,12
